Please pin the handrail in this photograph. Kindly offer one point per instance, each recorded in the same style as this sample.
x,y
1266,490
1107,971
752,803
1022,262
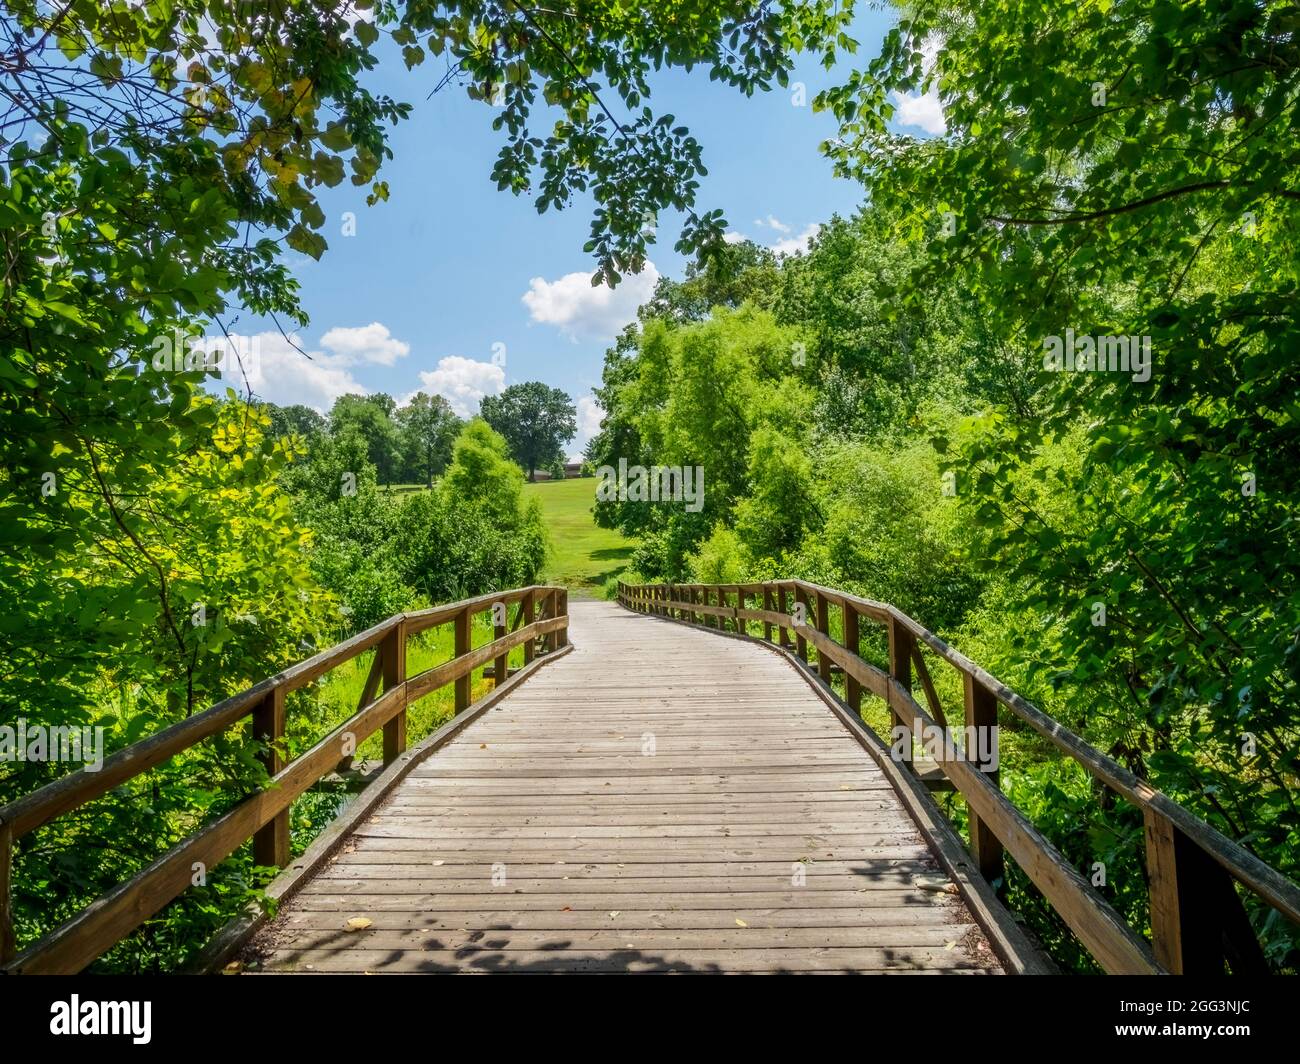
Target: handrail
x,y
1197,920
543,612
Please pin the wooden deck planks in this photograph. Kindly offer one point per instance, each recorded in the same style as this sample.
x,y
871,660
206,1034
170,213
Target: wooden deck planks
x,y
662,799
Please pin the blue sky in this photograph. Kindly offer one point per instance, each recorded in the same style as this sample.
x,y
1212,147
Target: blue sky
x,y
456,288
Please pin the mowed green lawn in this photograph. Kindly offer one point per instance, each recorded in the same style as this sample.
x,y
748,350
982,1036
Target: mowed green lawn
x,y
582,556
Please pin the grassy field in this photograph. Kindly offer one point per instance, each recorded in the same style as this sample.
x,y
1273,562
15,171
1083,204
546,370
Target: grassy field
x,y
583,556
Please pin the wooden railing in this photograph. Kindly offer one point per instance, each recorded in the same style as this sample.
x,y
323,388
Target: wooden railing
x,y
1197,920
541,614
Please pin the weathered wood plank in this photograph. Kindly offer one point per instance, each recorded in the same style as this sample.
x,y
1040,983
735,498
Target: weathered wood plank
x,y
886,959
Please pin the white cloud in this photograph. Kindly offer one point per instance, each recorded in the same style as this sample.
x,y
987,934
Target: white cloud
x,y
796,245
580,311
463,382
589,417
280,373
787,245
923,110
371,343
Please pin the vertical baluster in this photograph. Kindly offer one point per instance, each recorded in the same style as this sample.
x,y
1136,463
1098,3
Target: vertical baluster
x,y
852,643
982,725
900,668
271,841
824,627
392,652
8,946
526,605
501,664
461,626
801,599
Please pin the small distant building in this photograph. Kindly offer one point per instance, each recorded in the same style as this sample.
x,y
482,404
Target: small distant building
x,y
571,470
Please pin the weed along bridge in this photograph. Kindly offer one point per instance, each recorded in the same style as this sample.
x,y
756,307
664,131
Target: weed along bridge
x,y
681,781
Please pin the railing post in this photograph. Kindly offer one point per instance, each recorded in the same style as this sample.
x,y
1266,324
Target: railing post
x,y
1178,902
801,598
900,669
526,607
823,626
1197,919
271,841
782,602
853,644
392,651
982,720
742,626
562,608
501,665
8,945
767,605
461,626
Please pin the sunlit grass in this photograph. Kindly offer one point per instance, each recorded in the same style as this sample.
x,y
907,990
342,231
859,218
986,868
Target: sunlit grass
x,y
582,555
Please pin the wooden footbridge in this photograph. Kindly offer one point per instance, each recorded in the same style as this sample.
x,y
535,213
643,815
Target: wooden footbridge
x,y
679,782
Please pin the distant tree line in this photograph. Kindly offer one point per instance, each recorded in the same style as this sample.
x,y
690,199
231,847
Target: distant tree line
x,y
408,444
412,443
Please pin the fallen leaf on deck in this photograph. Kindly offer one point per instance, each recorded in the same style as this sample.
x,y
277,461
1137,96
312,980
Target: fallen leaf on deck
x,y
741,923
357,923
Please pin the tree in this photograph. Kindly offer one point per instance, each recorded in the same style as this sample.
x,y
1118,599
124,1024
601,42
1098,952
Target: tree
x,y
156,159
428,429
1083,135
369,417
735,274
535,420
1115,171
481,472
295,420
